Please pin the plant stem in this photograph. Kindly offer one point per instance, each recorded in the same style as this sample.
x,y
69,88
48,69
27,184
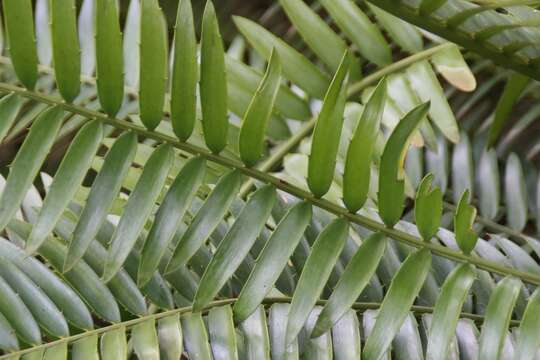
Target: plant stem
x,y
333,208
359,307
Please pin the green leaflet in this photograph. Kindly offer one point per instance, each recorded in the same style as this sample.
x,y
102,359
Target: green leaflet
x,y
497,317
18,315
170,216
8,337
170,337
464,217
277,325
67,180
450,64
315,273
427,86
131,44
10,105
365,35
184,73
41,307
346,337
73,308
272,259
324,42
206,220
153,64
327,133
354,279
391,184
527,340
251,138
213,83
235,245
81,277
85,348
138,208
18,17
222,333
296,67
65,45
515,193
195,337
404,288
356,176
28,161
447,310
113,344
145,341
512,92
428,208
104,190
429,6
245,77
109,56
489,190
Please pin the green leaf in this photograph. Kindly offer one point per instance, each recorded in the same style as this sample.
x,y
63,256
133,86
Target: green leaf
x,y
138,208
104,191
464,217
391,184
251,138
10,105
19,23
427,86
356,176
86,22
324,42
327,133
73,308
169,217
184,73
462,168
206,220
109,56
132,40
512,92
28,161
272,259
489,193
447,310
346,337
277,325
65,44
497,317
67,180
145,341
528,341
404,288
85,348
81,277
315,273
195,337
429,6
428,208
222,333
256,345
363,33
113,344
234,247
213,83
354,279
153,64
450,64
56,352
170,337
43,310
296,67
18,315
515,193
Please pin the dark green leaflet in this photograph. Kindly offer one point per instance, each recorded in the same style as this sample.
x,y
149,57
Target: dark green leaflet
x,y
213,84
153,65
464,217
19,23
428,208
109,56
65,43
184,73
9,109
